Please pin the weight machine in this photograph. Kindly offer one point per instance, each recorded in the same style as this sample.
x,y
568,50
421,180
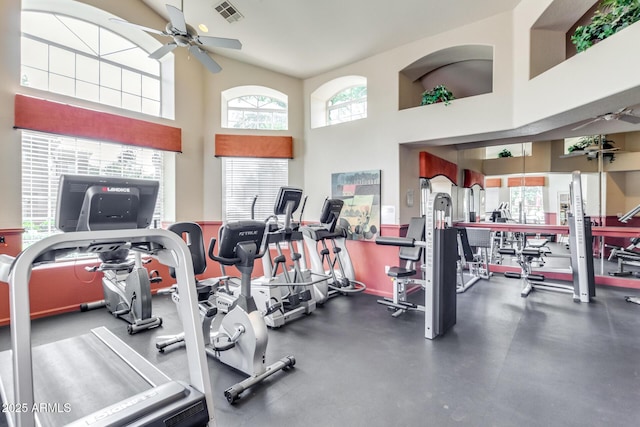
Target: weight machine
x,y
476,264
580,240
439,272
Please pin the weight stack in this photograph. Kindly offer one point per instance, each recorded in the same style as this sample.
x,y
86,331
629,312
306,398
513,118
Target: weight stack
x,y
442,299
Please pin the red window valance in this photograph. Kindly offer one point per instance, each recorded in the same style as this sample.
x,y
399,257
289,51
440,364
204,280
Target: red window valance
x,y
275,147
62,119
432,166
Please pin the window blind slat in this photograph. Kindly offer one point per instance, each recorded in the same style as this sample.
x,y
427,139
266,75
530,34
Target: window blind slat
x,y
244,178
46,157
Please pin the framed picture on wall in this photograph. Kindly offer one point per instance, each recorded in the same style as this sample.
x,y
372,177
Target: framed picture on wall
x,y
360,191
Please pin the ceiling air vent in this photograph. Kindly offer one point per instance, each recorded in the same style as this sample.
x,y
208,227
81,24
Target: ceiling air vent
x,y
228,11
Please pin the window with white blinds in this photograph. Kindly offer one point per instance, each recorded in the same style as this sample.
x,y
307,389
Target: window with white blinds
x,y
45,157
244,178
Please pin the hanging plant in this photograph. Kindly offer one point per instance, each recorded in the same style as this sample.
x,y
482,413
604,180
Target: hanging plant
x,y
505,153
611,17
439,93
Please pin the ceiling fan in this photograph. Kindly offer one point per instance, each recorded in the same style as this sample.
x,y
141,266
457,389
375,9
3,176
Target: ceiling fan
x,y
624,114
184,35
591,152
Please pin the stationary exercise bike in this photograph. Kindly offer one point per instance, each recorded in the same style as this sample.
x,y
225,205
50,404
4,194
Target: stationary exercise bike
x,y
234,330
126,285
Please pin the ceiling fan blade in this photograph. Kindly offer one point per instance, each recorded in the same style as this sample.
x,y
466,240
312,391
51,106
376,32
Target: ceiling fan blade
x,y
206,60
609,150
177,19
630,118
149,30
163,50
219,42
574,154
585,124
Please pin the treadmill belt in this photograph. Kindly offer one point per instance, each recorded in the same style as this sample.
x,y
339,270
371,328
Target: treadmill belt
x,y
74,378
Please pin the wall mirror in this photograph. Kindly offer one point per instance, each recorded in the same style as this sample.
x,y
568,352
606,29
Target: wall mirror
x,y
610,170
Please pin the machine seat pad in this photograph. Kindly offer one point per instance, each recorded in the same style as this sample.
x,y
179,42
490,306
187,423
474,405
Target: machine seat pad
x,y
400,272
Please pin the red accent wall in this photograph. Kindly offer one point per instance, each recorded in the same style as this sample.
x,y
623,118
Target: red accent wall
x,y
62,287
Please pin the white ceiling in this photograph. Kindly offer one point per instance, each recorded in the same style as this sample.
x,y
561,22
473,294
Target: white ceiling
x,y
304,38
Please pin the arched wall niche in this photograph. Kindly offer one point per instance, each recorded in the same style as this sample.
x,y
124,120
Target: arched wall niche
x,y
551,33
466,70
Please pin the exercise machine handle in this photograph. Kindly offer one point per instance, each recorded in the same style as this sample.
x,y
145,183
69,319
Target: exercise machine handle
x,y
221,260
396,241
231,261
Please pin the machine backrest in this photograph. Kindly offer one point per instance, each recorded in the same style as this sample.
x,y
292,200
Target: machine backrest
x,y
191,233
464,242
415,231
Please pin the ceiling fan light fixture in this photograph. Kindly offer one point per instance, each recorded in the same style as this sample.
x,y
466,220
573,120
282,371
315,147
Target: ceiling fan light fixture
x,y
203,28
228,11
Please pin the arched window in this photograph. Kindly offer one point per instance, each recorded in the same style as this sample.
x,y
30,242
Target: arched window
x,y
340,100
254,107
347,105
77,58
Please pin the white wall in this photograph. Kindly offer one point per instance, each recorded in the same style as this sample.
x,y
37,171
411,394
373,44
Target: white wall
x,y
234,74
10,213
372,143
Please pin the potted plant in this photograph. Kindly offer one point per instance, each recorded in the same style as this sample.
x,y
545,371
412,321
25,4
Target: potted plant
x,y
594,140
505,153
439,93
611,17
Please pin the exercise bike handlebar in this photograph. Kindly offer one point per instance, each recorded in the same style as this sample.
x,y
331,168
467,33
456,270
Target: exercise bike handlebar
x,y
230,261
399,241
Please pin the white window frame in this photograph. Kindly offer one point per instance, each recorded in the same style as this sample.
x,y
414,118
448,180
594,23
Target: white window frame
x,y
320,97
165,77
247,91
348,105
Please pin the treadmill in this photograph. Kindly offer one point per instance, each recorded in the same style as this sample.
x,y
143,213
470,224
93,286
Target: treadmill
x,y
96,379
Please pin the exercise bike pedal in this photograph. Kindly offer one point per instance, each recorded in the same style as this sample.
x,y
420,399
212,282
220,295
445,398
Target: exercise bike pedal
x,y
219,345
305,295
122,312
143,325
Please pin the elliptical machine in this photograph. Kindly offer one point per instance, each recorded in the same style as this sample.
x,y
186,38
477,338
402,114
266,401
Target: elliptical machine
x,y
235,334
126,285
341,277
284,293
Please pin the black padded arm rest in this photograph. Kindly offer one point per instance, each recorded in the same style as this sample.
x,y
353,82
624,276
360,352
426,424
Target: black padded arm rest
x,y
395,241
535,252
507,251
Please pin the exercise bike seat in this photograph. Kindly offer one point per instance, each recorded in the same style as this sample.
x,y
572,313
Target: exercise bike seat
x,y
400,272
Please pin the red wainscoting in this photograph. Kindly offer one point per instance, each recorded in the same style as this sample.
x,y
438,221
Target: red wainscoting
x,y
60,287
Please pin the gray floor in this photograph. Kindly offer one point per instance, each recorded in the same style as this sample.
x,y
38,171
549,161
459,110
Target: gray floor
x,y
509,361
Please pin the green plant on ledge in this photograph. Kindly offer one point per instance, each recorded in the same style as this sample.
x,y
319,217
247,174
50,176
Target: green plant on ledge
x,y
594,140
611,17
438,94
505,153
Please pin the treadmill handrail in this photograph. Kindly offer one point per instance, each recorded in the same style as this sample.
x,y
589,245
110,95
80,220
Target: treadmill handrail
x,y
173,252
